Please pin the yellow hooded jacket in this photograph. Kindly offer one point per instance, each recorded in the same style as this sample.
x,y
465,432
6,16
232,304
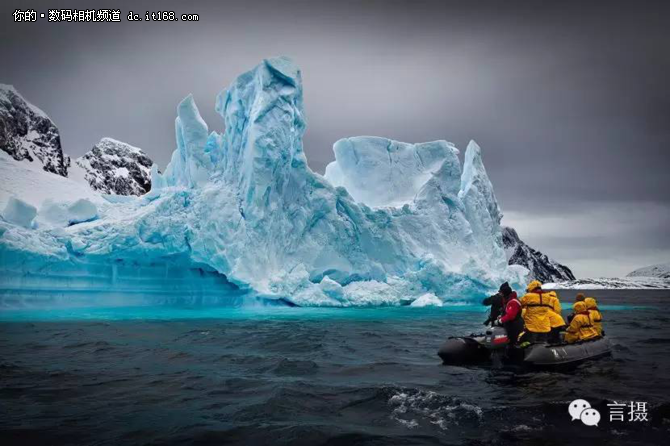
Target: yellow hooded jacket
x,y
555,318
594,314
580,328
537,308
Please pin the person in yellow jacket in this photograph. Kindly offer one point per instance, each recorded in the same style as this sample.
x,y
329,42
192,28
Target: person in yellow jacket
x,y
555,318
580,328
594,314
539,311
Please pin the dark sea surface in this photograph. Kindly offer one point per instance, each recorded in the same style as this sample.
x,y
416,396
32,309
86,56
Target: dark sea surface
x,y
314,377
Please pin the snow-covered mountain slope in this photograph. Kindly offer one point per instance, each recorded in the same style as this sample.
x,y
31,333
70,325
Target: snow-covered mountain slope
x,y
27,133
604,283
114,167
31,184
661,270
110,167
540,266
650,277
242,211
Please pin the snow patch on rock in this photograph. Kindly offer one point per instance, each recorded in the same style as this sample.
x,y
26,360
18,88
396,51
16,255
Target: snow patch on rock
x,y
541,267
624,283
114,167
661,270
27,133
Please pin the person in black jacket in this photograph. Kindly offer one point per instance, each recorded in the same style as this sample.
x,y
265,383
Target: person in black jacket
x,y
497,302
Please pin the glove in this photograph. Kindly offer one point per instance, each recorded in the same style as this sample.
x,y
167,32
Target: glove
x,y
497,323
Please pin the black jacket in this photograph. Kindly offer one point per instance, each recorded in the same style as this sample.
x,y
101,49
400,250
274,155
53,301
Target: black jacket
x,y
497,307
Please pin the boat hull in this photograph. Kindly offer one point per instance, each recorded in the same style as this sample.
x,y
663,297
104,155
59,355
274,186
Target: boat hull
x,y
470,350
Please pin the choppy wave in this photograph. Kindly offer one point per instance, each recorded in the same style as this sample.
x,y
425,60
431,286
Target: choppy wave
x,y
311,376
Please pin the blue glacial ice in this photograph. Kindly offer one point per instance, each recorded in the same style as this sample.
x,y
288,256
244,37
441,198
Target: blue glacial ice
x,y
19,212
242,214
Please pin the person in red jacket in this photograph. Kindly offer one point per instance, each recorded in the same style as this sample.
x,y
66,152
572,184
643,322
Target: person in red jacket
x,y
511,318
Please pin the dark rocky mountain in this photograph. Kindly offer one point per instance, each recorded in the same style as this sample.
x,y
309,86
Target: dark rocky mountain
x,y
114,167
541,267
27,133
110,167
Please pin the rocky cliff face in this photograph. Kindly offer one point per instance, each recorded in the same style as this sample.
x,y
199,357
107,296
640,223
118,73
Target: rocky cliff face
x,y
27,133
114,167
541,267
110,167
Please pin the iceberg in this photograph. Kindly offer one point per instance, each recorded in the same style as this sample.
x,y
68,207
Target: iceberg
x,y
19,212
62,214
240,215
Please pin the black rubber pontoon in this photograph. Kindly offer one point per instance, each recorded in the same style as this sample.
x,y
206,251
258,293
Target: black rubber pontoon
x,y
477,349
465,350
554,355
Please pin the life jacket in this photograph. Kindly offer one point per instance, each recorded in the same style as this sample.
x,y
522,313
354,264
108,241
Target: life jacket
x,y
536,315
581,328
555,318
594,314
512,311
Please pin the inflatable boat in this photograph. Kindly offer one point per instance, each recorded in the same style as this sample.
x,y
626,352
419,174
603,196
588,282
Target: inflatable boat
x,y
492,346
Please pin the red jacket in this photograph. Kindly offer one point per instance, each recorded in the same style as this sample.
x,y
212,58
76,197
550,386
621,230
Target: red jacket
x,y
512,308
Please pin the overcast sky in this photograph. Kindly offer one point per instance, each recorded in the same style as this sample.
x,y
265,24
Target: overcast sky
x,y
570,103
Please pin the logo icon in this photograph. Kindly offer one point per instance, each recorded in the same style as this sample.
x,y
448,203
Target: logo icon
x,y
582,410
590,417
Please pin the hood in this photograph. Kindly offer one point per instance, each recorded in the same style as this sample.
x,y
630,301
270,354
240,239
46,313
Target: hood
x,y
579,307
590,303
534,284
505,289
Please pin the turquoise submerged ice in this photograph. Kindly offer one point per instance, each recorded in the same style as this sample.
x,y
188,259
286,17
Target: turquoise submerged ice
x,y
242,214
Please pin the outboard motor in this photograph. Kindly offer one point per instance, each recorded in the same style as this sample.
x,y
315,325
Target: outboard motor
x,y
496,341
496,338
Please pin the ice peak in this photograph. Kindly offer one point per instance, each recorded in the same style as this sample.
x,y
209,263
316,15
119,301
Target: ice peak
x,y
382,172
263,114
474,174
481,206
286,68
191,164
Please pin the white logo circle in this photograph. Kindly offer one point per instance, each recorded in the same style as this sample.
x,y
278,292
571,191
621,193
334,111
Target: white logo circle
x,y
577,407
590,417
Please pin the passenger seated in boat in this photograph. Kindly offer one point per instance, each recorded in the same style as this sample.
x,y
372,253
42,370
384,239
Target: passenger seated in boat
x,y
594,314
578,298
540,313
580,328
555,319
511,318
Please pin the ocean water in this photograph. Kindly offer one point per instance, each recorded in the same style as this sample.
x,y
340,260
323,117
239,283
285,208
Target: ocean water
x,y
275,375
